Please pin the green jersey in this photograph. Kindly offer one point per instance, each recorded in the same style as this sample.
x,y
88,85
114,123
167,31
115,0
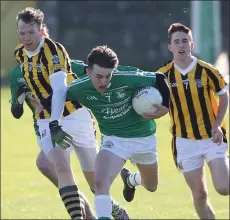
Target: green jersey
x,y
113,109
17,79
78,68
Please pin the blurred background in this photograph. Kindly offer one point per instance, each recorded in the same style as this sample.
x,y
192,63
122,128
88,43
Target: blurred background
x,y
136,30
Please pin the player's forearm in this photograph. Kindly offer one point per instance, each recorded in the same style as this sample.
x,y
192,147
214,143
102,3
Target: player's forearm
x,y
57,104
17,110
162,86
59,86
222,109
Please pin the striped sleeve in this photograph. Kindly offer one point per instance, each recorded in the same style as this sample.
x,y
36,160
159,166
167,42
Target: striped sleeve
x,y
165,68
55,59
18,53
215,79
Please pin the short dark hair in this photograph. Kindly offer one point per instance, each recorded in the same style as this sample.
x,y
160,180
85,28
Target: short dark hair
x,y
103,56
31,15
178,27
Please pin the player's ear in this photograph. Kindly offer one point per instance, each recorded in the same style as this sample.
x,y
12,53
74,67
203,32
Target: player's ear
x,y
192,45
42,32
170,47
87,71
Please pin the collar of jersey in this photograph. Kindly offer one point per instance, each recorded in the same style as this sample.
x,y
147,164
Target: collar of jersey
x,y
190,66
36,51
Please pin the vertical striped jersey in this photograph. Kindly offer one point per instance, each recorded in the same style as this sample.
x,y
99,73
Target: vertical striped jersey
x,y
36,70
193,106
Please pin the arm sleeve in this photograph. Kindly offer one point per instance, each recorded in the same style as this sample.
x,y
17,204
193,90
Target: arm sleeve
x,y
59,60
78,68
16,109
72,92
162,86
58,83
216,80
13,87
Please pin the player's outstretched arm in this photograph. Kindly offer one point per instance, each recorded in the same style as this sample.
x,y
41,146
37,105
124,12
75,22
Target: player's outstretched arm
x,y
58,81
17,108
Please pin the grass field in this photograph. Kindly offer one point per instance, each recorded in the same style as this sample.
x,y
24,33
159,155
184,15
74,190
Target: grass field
x,y
26,194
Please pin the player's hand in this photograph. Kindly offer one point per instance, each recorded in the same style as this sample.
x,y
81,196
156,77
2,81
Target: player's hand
x,y
217,134
35,103
161,111
59,136
21,93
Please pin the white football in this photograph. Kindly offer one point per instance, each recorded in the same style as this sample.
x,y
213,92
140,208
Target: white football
x,y
144,98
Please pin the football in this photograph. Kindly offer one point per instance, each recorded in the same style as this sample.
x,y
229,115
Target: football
x,y
144,98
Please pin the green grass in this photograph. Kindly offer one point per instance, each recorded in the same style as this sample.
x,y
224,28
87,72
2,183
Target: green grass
x,y
26,194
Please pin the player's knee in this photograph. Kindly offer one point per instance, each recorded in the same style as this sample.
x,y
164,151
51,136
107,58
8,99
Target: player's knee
x,y
151,188
150,185
62,166
102,183
41,164
223,190
200,195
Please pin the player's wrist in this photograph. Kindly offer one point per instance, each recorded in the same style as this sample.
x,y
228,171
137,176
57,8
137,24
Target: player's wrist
x,y
54,123
21,98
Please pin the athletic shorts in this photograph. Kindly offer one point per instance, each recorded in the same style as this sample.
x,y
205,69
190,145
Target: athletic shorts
x,y
80,125
190,154
141,150
69,149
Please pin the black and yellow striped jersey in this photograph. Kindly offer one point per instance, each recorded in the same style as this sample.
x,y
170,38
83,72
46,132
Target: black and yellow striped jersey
x,y
193,106
51,58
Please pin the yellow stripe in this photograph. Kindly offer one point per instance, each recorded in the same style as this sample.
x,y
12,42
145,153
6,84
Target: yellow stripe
x,y
175,114
75,205
68,104
27,74
75,199
67,59
48,56
209,103
196,102
184,105
62,59
79,212
36,79
17,57
163,69
215,72
45,73
39,85
18,46
69,194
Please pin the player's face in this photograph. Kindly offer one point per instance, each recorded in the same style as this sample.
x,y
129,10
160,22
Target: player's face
x,y
100,77
29,35
181,45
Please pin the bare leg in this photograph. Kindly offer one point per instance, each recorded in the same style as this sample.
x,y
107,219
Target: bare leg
x,y
196,180
219,168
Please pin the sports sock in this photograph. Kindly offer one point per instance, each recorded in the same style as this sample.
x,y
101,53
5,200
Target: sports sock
x,y
134,179
116,208
71,200
103,206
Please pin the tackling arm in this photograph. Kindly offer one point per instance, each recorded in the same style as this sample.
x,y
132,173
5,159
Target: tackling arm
x,y
59,85
162,86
